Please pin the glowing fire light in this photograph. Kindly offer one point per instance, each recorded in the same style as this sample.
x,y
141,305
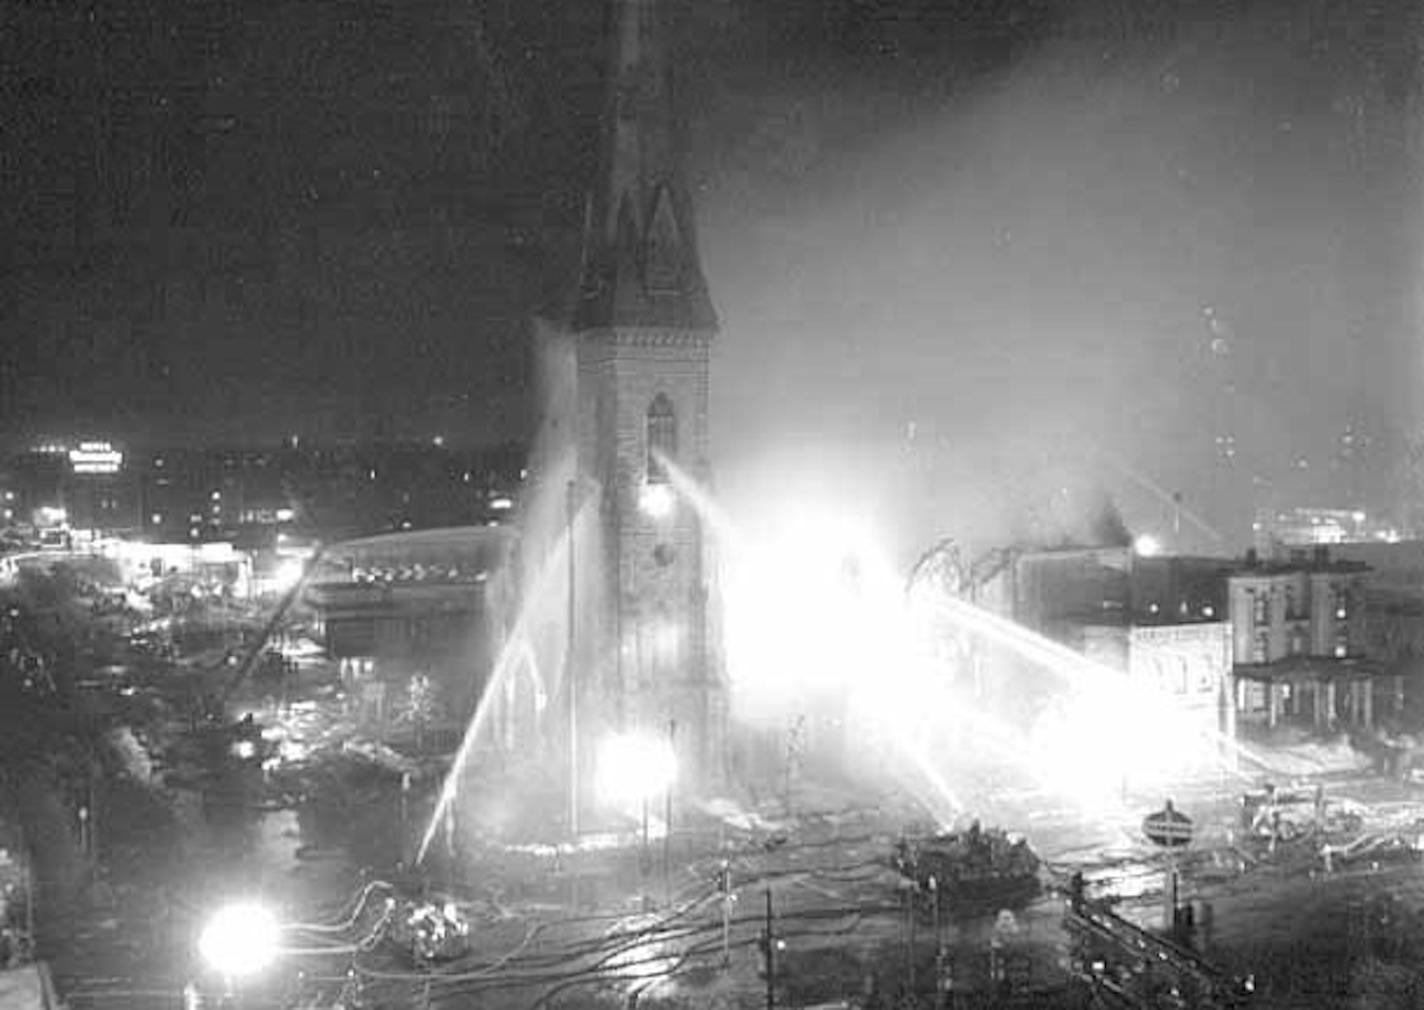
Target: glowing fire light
x,y
657,500
635,767
288,574
240,939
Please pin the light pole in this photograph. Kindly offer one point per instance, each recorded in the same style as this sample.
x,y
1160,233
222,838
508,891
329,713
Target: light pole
x,y
572,686
667,815
645,860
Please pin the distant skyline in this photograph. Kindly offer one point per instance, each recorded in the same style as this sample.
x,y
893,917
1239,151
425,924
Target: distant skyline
x,y
1039,235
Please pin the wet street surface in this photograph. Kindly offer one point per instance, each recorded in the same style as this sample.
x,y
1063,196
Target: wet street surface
x,y
551,925
685,921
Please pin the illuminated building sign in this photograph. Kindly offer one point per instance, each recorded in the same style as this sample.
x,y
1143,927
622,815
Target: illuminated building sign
x,y
95,457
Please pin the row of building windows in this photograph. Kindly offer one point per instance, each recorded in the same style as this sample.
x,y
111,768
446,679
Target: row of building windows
x,y
1262,612
1296,645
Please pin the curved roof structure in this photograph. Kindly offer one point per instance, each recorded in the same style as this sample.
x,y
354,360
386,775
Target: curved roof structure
x,y
447,554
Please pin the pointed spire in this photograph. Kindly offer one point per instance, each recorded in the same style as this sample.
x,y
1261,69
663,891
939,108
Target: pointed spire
x,y
640,260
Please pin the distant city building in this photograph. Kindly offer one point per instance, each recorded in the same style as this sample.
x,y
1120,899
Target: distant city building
x,y
85,488
1307,527
1238,642
251,496
1163,621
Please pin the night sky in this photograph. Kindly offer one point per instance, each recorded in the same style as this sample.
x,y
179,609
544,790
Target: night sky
x,y
964,251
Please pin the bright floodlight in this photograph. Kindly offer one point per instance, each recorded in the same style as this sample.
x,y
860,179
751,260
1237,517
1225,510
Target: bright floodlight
x,y
240,939
635,766
656,500
288,574
1147,546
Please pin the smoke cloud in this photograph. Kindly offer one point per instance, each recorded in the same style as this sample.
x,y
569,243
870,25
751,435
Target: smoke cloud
x,y
1080,269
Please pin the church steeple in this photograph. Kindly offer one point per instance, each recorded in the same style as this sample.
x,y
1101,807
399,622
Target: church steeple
x,y
640,262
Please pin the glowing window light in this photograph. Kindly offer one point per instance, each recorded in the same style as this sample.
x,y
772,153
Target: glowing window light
x,y
1147,546
656,500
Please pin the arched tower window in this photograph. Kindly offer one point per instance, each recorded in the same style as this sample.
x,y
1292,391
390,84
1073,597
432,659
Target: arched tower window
x,y
664,265
662,437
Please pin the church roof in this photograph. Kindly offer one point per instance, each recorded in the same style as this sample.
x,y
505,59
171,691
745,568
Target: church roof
x,y
640,265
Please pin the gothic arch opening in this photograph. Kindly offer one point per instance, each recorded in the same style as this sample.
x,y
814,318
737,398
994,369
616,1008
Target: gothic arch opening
x,y
664,259
661,438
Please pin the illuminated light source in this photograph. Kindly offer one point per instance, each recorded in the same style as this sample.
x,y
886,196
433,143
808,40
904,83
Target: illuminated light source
x,y
95,458
814,609
287,574
634,767
240,939
666,638
656,500
1147,546
502,504
286,515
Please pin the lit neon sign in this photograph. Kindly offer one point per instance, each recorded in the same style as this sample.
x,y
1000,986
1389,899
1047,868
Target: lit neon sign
x,y
95,457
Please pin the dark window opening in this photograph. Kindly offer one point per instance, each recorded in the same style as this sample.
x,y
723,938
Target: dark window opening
x,y
662,438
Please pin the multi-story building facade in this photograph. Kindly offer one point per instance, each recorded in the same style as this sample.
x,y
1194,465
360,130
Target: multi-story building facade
x,y
86,488
1238,643
1162,621
1299,636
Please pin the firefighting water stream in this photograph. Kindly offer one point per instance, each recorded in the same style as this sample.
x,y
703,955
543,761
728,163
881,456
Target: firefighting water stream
x,y
887,642
515,657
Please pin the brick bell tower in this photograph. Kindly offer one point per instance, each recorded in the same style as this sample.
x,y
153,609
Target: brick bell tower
x,y
642,325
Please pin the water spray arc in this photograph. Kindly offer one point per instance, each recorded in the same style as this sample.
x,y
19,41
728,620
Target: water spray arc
x,y
1077,671
516,653
1098,720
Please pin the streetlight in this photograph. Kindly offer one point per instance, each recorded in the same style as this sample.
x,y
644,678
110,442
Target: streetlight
x,y
240,939
636,767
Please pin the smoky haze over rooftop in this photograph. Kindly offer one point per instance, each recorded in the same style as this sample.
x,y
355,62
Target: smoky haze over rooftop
x,y
1151,227
963,252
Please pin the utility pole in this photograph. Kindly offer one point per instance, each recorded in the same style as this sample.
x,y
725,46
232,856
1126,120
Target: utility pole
x,y
941,960
768,946
912,894
404,814
724,883
569,677
667,820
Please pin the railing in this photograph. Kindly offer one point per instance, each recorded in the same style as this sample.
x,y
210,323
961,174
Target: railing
x,y
1135,967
